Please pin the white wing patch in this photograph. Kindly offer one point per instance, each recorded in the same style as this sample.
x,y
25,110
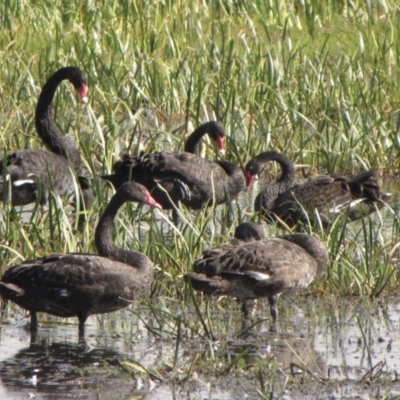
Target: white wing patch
x,y
23,182
341,207
259,276
64,293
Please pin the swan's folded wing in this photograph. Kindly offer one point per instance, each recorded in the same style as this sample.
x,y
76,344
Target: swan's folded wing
x,y
65,271
256,259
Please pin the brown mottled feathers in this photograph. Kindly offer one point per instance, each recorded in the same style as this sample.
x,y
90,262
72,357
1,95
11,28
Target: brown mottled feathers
x,y
265,267
282,263
64,281
325,195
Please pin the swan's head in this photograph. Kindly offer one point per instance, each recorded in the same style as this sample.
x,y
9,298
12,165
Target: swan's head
x,y
252,170
135,192
249,232
148,199
83,91
77,78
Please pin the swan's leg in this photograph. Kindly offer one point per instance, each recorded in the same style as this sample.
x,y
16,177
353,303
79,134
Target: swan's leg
x,y
245,309
273,300
33,337
273,327
248,309
82,319
34,322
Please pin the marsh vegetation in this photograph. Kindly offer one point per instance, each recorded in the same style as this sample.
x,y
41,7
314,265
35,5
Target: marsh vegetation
x,y
318,81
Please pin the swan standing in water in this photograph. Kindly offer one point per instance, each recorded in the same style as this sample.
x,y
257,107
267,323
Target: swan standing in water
x,y
252,266
77,284
183,176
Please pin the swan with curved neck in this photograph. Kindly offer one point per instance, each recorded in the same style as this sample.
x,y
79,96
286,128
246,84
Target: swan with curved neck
x,y
214,129
52,167
184,177
323,196
79,285
252,266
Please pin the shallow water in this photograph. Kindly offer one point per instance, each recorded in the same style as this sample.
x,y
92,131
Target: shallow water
x,y
345,350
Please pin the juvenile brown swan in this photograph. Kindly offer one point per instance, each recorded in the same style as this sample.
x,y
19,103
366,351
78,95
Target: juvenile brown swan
x,y
323,195
251,266
51,167
77,284
183,176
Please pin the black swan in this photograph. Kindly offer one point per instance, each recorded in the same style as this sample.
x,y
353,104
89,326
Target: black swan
x,y
181,175
251,266
52,167
78,284
323,195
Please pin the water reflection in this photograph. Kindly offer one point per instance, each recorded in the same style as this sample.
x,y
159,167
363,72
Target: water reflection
x,y
349,345
50,368
355,338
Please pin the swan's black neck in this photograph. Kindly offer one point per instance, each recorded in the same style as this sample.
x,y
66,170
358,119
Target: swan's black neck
x,y
229,168
265,200
212,128
288,171
193,140
104,241
45,125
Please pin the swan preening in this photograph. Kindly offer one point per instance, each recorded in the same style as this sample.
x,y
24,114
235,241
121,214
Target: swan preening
x,y
183,176
252,266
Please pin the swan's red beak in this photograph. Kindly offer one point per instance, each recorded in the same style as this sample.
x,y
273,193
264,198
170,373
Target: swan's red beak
x,y
83,91
148,199
249,179
221,145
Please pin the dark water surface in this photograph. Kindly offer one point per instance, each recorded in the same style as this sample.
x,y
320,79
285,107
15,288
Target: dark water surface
x,y
345,350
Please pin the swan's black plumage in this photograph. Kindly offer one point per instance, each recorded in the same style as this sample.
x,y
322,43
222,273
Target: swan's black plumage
x,y
76,284
181,175
27,169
